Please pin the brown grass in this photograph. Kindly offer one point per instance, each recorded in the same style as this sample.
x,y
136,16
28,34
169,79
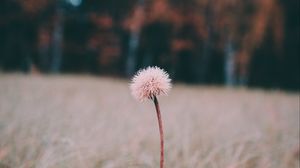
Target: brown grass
x,y
85,122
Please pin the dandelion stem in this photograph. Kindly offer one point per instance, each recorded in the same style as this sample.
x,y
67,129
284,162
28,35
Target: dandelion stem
x,y
161,132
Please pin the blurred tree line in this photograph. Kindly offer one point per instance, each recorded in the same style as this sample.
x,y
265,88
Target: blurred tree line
x,y
249,42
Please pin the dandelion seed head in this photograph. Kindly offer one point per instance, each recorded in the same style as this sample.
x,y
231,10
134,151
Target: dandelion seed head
x,y
150,82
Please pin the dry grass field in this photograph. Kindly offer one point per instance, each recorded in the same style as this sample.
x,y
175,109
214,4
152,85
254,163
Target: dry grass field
x,y
87,122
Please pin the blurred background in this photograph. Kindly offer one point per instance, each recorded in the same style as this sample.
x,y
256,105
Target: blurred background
x,y
65,66
231,42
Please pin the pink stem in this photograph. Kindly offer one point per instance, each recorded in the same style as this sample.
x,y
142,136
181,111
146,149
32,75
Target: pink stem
x,y
161,132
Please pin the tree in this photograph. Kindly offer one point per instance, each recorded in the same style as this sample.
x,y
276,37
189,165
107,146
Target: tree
x,y
241,26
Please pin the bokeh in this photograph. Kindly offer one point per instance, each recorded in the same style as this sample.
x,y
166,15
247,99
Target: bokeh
x,y
231,42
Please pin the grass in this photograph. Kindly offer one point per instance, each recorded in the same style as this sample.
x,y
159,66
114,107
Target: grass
x,y
86,122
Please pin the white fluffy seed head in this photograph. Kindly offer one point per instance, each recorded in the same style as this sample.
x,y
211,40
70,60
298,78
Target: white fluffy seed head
x,y
150,82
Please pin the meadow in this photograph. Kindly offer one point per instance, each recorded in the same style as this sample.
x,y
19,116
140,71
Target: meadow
x,y
88,122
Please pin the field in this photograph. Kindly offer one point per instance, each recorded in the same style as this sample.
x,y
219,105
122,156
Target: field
x,y
88,122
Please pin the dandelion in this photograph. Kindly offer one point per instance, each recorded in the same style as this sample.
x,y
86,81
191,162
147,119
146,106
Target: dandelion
x,y
148,84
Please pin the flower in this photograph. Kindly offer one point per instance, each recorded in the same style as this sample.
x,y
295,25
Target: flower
x,y
150,82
